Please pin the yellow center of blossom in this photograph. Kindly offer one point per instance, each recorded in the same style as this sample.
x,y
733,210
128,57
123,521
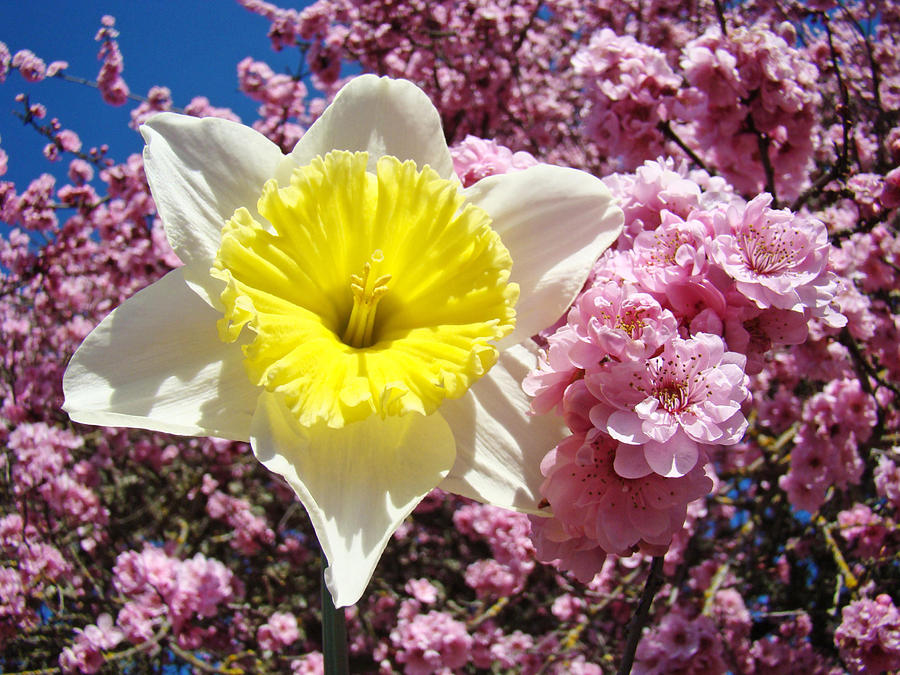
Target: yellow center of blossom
x,y
364,293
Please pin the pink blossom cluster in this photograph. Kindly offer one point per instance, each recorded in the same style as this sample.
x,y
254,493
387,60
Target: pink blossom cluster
x,y
112,85
834,424
681,644
43,461
281,97
159,587
629,89
469,76
507,535
863,530
86,653
30,66
250,530
869,635
751,94
648,370
431,643
887,482
517,651
286,24
39,566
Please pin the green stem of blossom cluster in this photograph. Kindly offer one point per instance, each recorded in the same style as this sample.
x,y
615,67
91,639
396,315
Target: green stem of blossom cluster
x,y
334,632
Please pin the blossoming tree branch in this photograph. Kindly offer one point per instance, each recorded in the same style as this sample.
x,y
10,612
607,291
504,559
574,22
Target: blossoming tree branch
x,y
563,339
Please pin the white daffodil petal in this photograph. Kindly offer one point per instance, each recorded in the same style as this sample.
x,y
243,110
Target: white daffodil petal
x,y
499,446
383,117
358,483
555,222
200,171
156,363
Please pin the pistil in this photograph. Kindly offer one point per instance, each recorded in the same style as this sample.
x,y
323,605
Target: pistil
x,y
367,290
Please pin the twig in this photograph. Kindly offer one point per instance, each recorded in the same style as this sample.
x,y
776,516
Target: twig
x,y
720,15
669,133
96,85
762,143
839,168
881,123
641,614
202,665
28,119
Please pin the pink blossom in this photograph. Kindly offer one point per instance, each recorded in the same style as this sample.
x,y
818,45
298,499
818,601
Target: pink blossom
x,y
15,614
5,60
422,590
592,502
756,332
548,383
887,481
199,106
85,654
476,158
310,664
611,322
776,258
68,140
683,645
860,527
506,532
138,620
568,607
80,171
250,530
654,187
56,67
159,99
730,611
890,193
279,631
515,651
492,579
31,67
35,205
665,408
750,82
672,254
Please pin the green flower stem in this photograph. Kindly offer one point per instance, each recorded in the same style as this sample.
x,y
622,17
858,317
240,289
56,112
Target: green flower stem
x,y
334,632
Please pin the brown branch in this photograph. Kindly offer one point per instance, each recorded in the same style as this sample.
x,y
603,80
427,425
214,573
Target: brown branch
x,y
670,134
641,614
763,142
720,15
840,167
881,122
96,85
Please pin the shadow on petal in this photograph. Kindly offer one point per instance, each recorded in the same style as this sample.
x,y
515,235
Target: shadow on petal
x,y
156,363
358,482
499,445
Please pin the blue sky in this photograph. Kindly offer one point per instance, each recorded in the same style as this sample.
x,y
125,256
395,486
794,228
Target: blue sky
x,y
190,46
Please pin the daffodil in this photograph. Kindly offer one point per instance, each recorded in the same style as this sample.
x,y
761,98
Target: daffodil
x,y
350,310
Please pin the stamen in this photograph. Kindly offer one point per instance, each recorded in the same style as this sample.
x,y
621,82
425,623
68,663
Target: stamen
x,y
367,291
